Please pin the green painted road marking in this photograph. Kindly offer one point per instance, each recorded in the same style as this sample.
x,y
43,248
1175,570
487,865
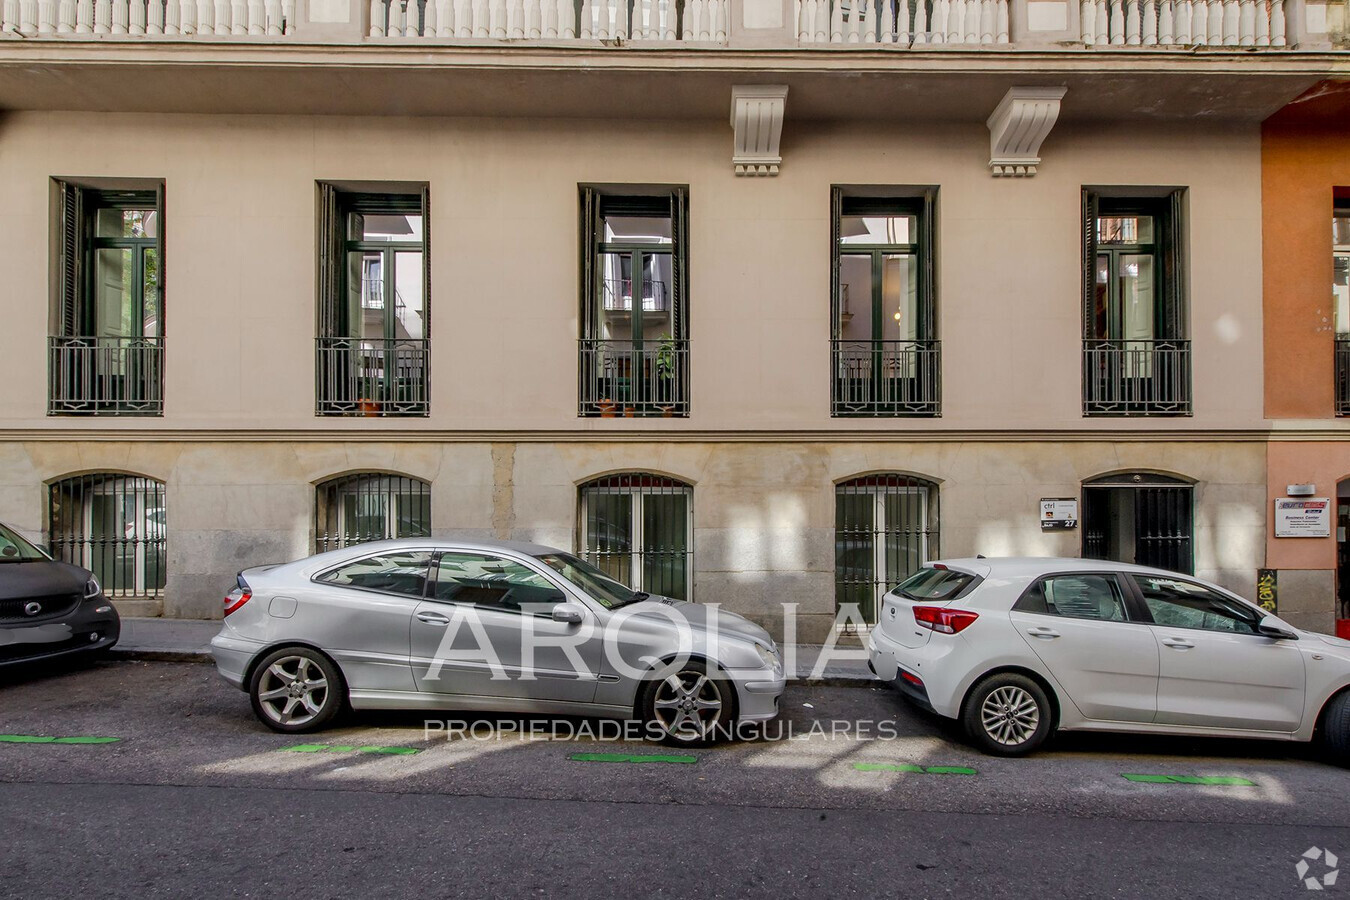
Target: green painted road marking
x,y
39,739
1226,780
345,748
632,758
917,770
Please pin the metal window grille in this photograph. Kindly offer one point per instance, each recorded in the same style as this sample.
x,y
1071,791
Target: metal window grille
x,y
1139,518
1342,377
354,509
115,526
886,526
639,529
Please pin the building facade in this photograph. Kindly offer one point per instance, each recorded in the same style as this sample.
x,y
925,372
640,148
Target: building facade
x,y
757,302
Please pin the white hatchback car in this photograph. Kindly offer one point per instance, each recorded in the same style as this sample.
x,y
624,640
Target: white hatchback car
x,y
1019,648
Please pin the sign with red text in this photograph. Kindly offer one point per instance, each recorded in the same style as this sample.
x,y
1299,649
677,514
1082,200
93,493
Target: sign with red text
x,y
1308,517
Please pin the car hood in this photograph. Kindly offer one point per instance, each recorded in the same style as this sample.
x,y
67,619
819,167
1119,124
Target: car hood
x,y
700,617
40,578
1338,643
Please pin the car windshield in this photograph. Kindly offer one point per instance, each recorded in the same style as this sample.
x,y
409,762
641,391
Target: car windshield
x,y
593,581
14,548
934,584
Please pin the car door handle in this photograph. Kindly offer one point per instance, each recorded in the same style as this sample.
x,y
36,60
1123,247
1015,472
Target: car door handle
x,y
432,618
1177,643
1041,631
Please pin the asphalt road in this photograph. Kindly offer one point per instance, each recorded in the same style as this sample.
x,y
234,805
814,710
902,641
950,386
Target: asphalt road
x,y
868,798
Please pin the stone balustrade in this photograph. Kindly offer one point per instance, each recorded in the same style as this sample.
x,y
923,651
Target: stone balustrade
x,y
906,24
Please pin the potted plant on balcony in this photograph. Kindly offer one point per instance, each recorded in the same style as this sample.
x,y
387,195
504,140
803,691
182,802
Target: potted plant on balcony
x,y
665,375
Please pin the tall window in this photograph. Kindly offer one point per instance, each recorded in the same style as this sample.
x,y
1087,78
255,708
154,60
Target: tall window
x,y
374,309
115,526
106,347
1139,517
885,527
634,304
886,359
1136,351
1340,294
639,529
354,509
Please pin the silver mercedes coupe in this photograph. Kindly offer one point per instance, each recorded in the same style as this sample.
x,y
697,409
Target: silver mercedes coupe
x,y
488,626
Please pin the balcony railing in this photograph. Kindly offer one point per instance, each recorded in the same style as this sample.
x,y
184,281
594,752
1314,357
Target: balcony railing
x,y
1136,378
628,378
105,376
1342,377
886,378
897,24
373,377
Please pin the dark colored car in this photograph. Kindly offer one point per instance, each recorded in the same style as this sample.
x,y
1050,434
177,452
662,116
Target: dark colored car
x,y
49,609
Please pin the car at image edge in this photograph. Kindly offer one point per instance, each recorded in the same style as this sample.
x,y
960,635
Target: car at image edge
x,y
364,626
49,609
1016,649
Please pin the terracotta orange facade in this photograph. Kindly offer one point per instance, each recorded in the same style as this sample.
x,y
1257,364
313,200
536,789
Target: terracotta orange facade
x,y
1305,174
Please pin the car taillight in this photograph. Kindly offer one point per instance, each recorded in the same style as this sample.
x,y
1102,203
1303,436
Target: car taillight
x,y
237,598
947,621
911,678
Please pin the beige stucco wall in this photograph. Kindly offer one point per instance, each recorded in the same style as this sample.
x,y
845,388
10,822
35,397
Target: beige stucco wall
x,y
763,512
240,261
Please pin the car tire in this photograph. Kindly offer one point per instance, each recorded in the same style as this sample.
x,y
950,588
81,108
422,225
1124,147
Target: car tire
x,y
296,690
676,709
1336,729
1008,715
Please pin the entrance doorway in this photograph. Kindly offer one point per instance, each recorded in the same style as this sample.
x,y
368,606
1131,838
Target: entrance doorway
x,y
1342,556
1139,517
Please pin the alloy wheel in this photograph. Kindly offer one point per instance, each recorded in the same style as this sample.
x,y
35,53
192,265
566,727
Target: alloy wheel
x,y
293,690
688,705
1010,715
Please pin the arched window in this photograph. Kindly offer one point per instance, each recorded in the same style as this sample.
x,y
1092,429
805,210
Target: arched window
x,y
370,506
1139,517
885,527
113,525
639,529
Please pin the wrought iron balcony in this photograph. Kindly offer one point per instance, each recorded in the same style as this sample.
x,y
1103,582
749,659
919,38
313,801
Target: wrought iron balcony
x,y
633,378
886,378
1342,377
105,376
359,377
1136,378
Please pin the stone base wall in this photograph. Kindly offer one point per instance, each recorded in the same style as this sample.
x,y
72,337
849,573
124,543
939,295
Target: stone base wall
x,y
763,511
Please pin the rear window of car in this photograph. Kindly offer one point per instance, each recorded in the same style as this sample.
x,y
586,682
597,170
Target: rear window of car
x,y
935,584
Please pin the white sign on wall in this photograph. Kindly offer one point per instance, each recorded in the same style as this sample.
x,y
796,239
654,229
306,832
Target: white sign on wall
x,y
1059,513
1309,517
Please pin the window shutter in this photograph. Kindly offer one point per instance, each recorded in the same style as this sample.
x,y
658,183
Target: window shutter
x,y
71,202
328,276
679,230
1174,317
426,260
836,210
161,259
590,235
927,258
1089,264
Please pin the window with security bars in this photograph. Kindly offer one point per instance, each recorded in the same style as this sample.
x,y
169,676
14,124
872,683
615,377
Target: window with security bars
x,y
1139,518
886,527
365,507
115,526
639,529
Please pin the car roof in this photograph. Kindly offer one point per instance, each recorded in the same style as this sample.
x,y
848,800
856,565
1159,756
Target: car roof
x,y
1029,566
485,545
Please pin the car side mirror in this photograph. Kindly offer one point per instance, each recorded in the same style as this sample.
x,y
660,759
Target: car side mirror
x,y
569,614
1276,632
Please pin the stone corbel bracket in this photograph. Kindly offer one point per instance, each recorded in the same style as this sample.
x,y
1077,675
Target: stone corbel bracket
x,y
757,119
1018,127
